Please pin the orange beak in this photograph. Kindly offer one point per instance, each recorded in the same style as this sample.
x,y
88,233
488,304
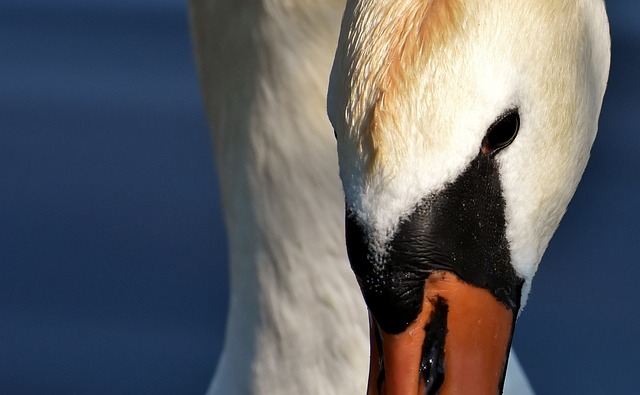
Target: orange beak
x,y
442,290
458,344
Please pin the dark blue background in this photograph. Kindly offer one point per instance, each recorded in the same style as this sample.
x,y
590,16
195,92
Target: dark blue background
x,y
112,251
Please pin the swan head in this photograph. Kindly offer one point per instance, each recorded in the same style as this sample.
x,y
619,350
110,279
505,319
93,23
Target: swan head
x,y
463,129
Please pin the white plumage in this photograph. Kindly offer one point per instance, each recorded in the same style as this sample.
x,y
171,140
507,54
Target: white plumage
x,y
297,323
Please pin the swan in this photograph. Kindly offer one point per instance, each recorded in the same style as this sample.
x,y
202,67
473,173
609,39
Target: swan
x,y
297,323
463,129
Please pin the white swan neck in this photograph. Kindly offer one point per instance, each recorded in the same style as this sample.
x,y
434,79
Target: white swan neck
x,y
297,324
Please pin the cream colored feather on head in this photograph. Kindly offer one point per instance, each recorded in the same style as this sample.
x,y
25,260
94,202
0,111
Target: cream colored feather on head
x,y
416,84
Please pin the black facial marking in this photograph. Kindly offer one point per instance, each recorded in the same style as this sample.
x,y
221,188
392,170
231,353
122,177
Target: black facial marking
x,y
393,292
460,229
432,361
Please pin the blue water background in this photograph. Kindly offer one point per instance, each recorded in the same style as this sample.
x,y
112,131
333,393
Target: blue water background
x,y
112,248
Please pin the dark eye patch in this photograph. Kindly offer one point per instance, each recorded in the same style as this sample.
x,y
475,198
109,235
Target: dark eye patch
x,y
502,132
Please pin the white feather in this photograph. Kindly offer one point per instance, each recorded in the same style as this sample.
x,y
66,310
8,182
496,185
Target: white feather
x,y
297,323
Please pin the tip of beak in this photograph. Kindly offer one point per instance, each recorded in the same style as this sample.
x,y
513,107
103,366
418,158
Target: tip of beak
x,y
459,344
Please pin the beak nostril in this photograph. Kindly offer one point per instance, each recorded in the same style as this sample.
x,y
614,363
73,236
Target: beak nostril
x,y
432,363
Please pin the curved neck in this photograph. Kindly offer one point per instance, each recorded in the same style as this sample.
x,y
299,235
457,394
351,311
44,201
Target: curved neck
x,y
296,320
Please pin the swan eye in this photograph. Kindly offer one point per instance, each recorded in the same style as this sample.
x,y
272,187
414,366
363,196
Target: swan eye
x,y
502,133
